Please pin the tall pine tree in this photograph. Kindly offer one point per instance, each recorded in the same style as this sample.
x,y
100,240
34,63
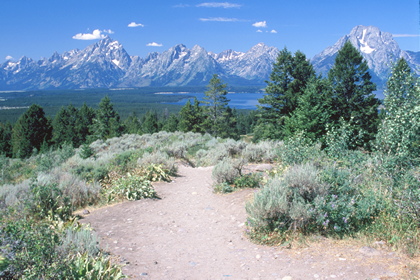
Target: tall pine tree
x,y
288,80
313,111
353,99
132,124
31,131
191,117
6,139
150,123
84,123
216,106
65,127
107,121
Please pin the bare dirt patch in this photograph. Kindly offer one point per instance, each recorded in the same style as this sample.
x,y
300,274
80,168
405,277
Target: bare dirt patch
x,y
192,233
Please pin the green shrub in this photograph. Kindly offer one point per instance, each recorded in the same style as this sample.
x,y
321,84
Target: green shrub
x,y
79,192
99,268
158,158
91,172
227,170
40,250
251,180
223,188
155,173
47,201
286,202
79,239
131,187
299,150
263,151
14,195
86,151
30,249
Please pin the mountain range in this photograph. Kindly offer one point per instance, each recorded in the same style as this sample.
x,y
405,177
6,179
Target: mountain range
x,y
106,64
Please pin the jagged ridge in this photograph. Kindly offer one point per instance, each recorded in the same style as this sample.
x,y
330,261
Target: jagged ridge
x,y
107,64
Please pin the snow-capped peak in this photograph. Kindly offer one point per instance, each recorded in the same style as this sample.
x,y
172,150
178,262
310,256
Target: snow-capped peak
x,y
364,45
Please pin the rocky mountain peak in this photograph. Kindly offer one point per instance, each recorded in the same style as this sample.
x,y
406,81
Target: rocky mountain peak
x,y
378,48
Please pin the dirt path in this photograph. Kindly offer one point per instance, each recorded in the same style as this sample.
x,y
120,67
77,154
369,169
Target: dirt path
x,y
192,233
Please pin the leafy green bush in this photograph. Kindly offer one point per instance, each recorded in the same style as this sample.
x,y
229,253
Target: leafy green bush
x,y
327,200
99,268
34,250
79,192
298,150
286,202
158,158
79,239
251,180
263,151
155,173
226,171
86,151
30,250
223,188
131,187
48,202
14,195
91,172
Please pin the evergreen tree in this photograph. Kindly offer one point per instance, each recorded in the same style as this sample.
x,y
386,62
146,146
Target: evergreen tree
x,y
6,139
107,121
227,128
171,123
399,132
84,123
150,123
245,121
352,95
64,126
216,105
132,124
313,111
191,117
288,79
31,131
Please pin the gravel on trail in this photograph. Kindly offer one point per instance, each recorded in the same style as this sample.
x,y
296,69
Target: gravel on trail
x,y
193,233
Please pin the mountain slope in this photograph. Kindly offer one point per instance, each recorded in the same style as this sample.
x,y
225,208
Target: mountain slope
x,y
378,48
107,64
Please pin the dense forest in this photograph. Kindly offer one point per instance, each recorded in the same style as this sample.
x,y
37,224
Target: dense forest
x,y
345,165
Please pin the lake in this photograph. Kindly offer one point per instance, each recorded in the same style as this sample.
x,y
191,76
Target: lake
x,y
237,100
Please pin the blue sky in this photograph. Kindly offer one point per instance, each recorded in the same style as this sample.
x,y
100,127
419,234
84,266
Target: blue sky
x,y
37,28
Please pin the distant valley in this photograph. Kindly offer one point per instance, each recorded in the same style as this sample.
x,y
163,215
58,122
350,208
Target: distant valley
x,y
106,64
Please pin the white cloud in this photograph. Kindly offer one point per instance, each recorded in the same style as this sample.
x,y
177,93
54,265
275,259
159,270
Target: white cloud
x,y
181,6
154,44
405,35
134,24
259,30
9,57
220,19
96,34
273,31
262,24
225,5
